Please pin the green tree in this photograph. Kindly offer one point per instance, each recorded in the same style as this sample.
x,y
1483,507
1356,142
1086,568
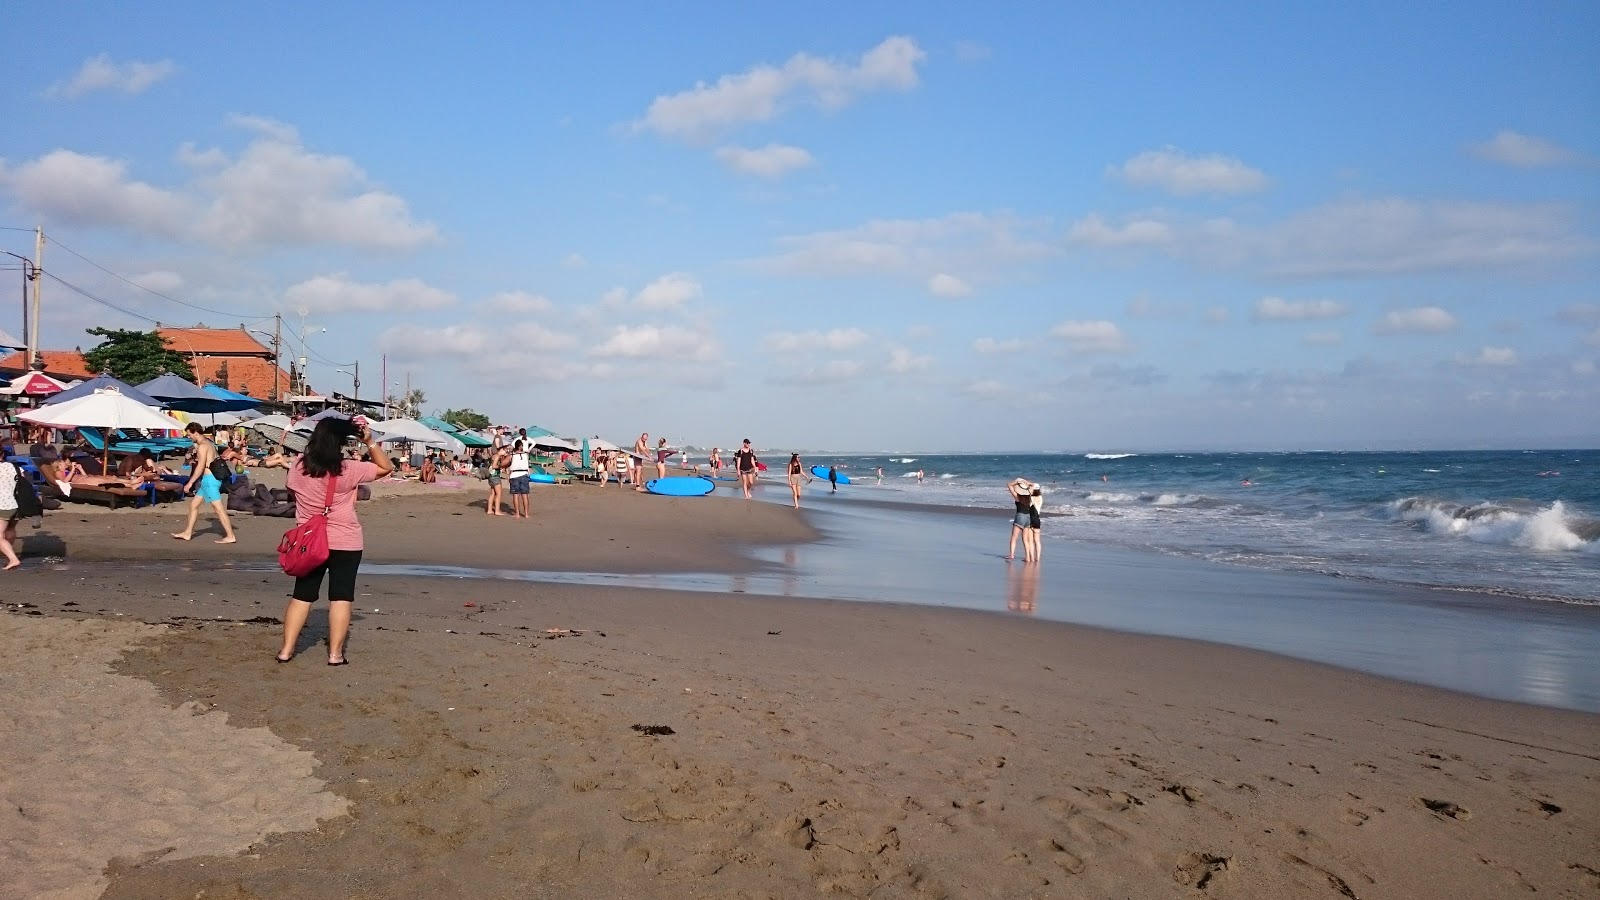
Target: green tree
x,y
134,356
410,405
467,419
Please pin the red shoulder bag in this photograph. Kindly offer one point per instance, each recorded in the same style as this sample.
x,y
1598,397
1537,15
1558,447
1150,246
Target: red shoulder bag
x,y
305,546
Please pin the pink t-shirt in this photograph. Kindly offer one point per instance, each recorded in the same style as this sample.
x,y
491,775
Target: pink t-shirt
x,y
344,529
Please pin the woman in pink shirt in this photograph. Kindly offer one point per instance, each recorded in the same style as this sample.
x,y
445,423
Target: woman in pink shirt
x,y
308,481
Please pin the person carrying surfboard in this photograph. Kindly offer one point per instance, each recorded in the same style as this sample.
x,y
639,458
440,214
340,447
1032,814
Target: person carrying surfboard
x,y
745,461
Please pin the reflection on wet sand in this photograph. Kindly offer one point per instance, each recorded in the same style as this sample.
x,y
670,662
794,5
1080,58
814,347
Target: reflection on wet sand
x,y
1022,588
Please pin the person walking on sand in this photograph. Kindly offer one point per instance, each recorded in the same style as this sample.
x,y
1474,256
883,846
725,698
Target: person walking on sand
x,y
519,472
880,476
308,482
205,481
796,473
745,461
9,473
1023,517
833,478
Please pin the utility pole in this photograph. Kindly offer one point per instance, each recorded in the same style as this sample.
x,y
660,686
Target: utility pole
x,y
410,409
277,345
38,283
357,378
383,375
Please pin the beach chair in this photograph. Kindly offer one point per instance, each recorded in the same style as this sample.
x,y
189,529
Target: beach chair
x,y
584,473
97,442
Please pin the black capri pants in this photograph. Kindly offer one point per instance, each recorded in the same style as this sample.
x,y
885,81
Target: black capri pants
x,y
340,568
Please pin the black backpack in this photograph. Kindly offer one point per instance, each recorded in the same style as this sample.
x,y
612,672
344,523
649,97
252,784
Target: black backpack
x,y
221,471
28,505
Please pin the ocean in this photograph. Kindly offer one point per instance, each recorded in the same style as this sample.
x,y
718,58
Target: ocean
x,y
1521,524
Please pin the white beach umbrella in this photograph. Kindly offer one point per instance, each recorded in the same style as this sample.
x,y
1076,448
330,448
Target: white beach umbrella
x,y
104,409
417,433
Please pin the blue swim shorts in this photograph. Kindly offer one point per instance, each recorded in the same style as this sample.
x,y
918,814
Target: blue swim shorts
x,y
519,484
209,489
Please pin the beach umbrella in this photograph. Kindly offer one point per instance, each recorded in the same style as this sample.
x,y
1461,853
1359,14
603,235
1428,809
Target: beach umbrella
x,y
104,409
551,441
585,457
176,393
34,384
7,342
412,431
223,393
438,424
98,383
279,429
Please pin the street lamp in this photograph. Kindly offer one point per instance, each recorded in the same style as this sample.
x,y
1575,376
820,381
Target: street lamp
x,y
355,377
305,383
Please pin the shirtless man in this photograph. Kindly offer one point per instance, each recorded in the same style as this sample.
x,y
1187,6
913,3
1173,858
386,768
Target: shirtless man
x,y
207,488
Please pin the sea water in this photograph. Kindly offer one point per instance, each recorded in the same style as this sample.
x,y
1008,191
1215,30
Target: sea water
x,y
1522,524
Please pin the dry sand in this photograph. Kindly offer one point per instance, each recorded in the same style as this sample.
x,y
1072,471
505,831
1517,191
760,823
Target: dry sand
x,y
816,746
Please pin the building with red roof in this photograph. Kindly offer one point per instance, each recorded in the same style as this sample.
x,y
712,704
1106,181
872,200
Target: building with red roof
x,y
229,357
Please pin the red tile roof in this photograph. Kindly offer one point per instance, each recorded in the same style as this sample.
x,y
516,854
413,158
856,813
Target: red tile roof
x,y
67,364
245,374
209,341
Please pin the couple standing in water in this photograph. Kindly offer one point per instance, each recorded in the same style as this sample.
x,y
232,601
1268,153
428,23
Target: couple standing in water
x,y
1029,500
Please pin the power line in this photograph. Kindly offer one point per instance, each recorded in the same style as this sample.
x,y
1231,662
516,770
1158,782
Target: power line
x,y
141,287
100,300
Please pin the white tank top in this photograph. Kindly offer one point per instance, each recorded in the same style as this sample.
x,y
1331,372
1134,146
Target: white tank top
x,y
519,464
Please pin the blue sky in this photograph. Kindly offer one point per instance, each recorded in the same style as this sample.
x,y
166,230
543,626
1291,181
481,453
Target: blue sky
x,y
883,226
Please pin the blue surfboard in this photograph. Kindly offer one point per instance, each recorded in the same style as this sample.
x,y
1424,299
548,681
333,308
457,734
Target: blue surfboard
x,y
822,472
680,486
541,478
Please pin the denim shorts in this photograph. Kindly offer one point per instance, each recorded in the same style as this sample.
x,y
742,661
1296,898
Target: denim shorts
x,y
519,484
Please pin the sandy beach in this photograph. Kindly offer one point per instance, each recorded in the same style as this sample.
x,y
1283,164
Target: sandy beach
x,y
496,738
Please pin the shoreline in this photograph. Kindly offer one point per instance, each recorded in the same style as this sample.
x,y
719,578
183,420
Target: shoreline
x,y
825,746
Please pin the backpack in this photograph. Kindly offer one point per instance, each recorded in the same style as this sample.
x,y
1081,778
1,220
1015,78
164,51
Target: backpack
x,y
28,505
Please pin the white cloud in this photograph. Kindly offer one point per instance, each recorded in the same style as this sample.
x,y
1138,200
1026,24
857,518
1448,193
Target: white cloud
x,y
903,361
835,371
1178,173
574,261
338,294
1096,232
160,281
771,161
1359,237
275,193
1419,320
1277,309
407,341
990,346
944,285
988,389
919,248
1579,314
1523,151
518,303
1585,368
101,73
762,92
655,342
1491,357
834,340
1092,337
1322,338
670,291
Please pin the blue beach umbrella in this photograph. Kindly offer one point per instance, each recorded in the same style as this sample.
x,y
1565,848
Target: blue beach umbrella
x,y
101,383
586,453
176,393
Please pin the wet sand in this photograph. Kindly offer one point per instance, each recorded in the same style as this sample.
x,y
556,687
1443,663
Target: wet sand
x,y
816,746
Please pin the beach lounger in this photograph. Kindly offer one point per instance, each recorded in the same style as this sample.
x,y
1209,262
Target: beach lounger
x,y
97,442
584,473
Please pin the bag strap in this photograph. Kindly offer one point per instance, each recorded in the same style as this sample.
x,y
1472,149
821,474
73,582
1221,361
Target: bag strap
x,y
327,504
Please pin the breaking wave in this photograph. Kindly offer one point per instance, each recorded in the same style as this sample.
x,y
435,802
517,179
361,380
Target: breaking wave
x,y
1513,523
1108,455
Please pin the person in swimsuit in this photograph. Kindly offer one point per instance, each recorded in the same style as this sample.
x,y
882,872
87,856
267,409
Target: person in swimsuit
x,y
207,487
641,452
796,476
1035,508
1021,496
745,461
662,455
716,462
497,466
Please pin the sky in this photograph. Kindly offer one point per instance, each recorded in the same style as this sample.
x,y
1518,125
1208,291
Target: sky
x,y
893,226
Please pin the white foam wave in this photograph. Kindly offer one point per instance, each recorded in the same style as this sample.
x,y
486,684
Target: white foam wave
x,y
1108,455
1175,500
1549,530
1110,497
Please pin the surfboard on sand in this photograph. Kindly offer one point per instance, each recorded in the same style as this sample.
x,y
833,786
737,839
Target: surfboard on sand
x,y
541,478
822,472
680,486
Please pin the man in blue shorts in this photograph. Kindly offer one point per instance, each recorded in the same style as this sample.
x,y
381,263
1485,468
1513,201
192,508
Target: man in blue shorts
x,y
205,480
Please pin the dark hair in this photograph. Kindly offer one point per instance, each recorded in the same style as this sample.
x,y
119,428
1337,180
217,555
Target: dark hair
x,y
325,448
794,457
195,428
144,453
